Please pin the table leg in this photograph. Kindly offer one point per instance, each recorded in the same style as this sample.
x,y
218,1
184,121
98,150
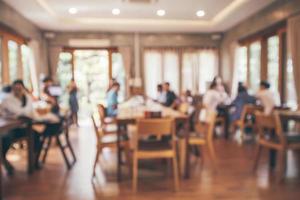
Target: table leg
x,y
31,152
226,125
272,161
187,156
119,155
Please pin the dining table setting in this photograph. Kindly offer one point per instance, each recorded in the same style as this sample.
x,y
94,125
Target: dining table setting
x,y
139,107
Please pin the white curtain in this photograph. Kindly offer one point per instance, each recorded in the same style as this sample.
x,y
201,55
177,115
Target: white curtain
x,y
126,53
161,66
34,62
239,73
198,70
53,59
293,33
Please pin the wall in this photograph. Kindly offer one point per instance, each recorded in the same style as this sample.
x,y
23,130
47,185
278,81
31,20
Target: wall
x,y
20,25
137,41
277,12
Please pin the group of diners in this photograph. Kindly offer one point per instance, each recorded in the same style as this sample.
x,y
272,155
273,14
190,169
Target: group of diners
x,y
217,98
42,113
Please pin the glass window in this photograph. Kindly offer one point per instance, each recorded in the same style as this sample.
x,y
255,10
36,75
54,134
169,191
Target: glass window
x,y
26,62
254,68
241,64
273,62
118,72
290,86
91,76
64,73
13,60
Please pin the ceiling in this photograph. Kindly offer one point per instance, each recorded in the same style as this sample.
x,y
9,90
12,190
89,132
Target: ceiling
x,y
96,15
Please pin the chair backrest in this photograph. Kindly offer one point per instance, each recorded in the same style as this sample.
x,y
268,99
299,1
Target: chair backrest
x,y
159,127
250,109
205,121
102,113
97,130
269,126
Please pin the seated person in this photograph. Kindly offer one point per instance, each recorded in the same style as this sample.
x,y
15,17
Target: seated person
x,y
214,97
112,100
17,103
48,97
161,98
186,102
239,102
266,97
170,96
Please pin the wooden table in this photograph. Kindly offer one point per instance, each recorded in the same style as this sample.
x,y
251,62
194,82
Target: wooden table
x,y
9,124
129,112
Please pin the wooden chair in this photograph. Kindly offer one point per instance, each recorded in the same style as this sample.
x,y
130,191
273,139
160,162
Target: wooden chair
x,y
155,149
203,136
56,132
245,121
108,124
107,140
271,136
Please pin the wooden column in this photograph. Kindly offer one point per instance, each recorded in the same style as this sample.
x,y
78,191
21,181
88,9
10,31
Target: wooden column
x,y
264,59
282,65
19,63
5,64
72,64
248,65
110,64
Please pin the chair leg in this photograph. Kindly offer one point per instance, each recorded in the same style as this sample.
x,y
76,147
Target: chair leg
x,y
175,173
257,157
96,161
39,151
135,174
281,166
212,155
71,150
201,156
182,155
128,160
61,147
46,149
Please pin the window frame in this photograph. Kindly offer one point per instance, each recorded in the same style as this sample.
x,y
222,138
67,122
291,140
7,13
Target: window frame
x,y
282,57
6,37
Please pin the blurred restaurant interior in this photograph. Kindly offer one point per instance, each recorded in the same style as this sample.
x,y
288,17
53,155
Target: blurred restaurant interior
x,y
144,99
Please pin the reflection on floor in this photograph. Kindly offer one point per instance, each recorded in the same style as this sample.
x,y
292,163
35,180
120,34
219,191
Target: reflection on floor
x,y
233,181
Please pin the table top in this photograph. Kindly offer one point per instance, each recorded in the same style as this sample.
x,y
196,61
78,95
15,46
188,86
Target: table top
x,y
135,108
292,115
7,124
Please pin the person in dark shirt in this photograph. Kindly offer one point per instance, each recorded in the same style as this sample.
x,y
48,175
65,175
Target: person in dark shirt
x,y
240,101
170,95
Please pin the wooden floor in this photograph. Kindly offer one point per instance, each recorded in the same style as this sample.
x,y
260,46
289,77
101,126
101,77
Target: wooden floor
x,y
233,181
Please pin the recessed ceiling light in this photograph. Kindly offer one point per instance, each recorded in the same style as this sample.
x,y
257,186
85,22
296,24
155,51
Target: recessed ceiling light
x,y
160,12
200,13
116,11
73,11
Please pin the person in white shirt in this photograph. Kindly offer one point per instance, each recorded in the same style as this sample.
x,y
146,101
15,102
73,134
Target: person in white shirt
x,y
215,95
19,104
161,96
266,97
